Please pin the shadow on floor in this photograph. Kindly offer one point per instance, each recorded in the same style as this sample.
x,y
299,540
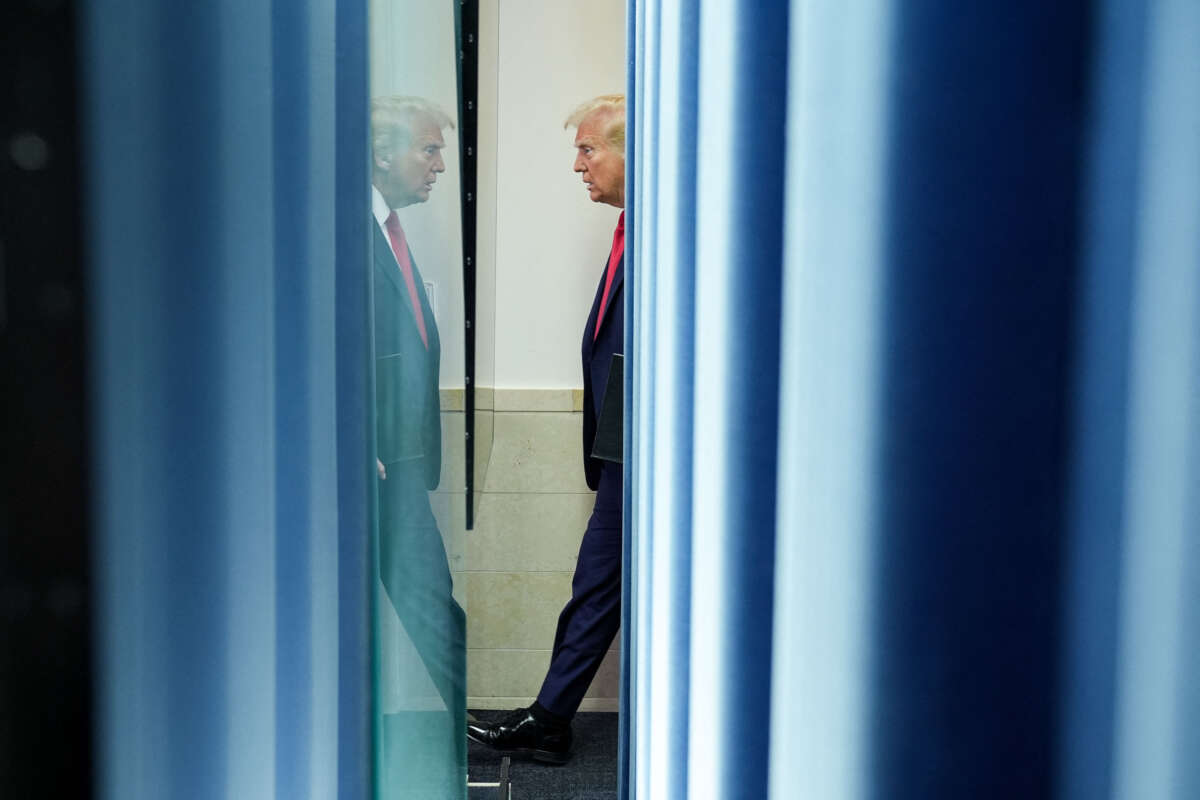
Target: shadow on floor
x,y
591,774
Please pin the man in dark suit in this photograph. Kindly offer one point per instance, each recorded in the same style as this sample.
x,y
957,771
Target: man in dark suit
x,y
406,139
591,618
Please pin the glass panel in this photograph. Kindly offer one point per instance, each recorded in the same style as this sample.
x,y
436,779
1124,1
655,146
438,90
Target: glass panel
x,y
420,628
484,322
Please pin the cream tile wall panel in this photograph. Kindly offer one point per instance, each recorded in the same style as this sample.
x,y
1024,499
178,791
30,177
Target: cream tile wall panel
x,y
451,399
517,532
537,452
607,682
454,449
519,673
498,703
514,610
455,399
476,498
484,425
534,400
608,704
506,673
453,453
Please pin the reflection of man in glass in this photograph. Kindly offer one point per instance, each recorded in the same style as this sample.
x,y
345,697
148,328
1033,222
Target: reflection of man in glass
x,y
406,139
591,618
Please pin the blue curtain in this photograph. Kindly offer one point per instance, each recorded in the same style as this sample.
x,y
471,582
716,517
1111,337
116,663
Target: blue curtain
x,y
916,301
664,376
227,172
706,314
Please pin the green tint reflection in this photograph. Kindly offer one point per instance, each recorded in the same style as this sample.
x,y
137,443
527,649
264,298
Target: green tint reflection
x,y
419,628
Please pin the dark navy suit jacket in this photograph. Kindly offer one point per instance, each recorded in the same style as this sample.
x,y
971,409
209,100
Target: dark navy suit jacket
x,y
407,407
597,358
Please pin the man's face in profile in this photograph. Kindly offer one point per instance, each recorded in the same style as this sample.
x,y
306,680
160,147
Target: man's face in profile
x,y
408,176
602,169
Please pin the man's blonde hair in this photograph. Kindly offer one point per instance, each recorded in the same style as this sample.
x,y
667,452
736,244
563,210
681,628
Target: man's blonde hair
x,y
614,132
391,121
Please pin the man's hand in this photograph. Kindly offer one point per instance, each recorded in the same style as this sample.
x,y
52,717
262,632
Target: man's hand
x,y
381,469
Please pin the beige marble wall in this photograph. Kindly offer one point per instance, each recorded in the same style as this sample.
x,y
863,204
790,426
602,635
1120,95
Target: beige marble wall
x,y
518,561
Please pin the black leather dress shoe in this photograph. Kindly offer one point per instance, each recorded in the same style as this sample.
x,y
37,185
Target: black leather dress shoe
x,y
521,734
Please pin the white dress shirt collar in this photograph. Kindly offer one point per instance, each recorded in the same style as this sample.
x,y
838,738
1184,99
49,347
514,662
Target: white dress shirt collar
x,y
380,207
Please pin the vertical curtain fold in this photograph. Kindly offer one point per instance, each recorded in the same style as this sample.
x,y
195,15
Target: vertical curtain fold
x,y
982,243
975,553
705,334
226,338
671,250
356,574
645,329
294,299
628,737
1101,379
739,237
1157,686
830,402
306,409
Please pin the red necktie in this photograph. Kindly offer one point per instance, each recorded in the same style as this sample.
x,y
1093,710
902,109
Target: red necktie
x,y
614,258
400,250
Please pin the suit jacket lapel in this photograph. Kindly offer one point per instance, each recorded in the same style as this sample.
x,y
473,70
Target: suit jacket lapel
x,y
618,279
386,265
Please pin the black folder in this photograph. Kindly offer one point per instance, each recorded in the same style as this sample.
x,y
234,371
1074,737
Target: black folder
x,y
610,435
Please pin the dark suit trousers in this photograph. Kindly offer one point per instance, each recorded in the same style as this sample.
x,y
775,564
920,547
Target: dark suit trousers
x,y
416,576
592,616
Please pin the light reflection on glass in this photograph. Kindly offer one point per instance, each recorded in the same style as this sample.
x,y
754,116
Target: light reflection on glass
x,y
420,633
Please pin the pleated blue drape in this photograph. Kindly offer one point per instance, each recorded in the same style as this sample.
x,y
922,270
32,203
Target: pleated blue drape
x,y
916,304
705,325
1153,298
226,170
664,377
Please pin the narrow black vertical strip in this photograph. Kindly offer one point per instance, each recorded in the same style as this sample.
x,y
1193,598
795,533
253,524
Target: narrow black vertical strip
x,y
354,398
467,28
45,611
